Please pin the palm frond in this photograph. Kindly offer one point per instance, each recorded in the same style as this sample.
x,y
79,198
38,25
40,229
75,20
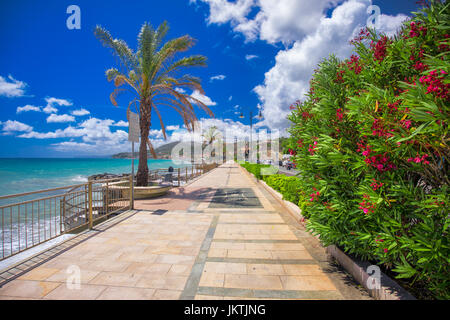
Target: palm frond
x,y
119,48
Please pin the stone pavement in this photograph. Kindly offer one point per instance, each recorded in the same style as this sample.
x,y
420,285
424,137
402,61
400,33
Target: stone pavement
x,y
220,237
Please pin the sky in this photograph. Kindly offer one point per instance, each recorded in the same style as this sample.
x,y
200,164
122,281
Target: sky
x,y
54,96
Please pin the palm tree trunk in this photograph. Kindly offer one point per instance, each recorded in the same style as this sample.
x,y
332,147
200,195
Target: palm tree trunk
x,y
144,123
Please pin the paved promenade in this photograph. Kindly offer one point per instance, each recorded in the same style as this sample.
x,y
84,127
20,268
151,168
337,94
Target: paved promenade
x,y
220,237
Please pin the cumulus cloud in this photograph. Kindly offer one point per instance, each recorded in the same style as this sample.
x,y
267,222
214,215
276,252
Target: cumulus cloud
x,y
80,112
28,108
309,36
95,134
10,87
51,102
218,77
201,97
11,126
120,123
56,118
172,128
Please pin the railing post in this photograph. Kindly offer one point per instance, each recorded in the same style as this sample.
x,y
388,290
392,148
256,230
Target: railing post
x,y
186,174
107,198
62,209
179,181
131,193
90,204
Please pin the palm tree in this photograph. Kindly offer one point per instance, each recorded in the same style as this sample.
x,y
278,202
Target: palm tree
x,y
150,74
210,136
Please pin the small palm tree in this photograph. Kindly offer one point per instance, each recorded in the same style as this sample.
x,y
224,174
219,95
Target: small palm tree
x,y
151,76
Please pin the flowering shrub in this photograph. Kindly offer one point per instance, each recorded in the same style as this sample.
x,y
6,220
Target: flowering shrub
x,y
374,153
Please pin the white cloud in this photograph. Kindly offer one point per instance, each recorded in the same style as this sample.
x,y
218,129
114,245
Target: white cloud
x,y
56,118
310,34
172,128
120,123
28,108
250,56
80,112
218,77
180,90
51,102
230,98
289,79
202,98
95,134
12,88
69,132
11,126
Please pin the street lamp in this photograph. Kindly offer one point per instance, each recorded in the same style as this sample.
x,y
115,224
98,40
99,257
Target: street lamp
x,y
251,124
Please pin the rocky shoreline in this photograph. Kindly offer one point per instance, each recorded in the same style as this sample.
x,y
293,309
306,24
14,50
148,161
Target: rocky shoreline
x,y
106,175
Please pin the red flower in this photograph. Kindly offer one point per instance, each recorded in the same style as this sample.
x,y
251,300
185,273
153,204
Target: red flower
x,y
380,48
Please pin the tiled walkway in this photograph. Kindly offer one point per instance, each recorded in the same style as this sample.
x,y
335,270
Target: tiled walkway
x,y
221,237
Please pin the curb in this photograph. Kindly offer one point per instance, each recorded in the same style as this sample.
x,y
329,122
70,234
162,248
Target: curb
x,y
388,288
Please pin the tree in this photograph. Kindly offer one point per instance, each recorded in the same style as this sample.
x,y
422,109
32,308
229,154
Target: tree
x,y
151,76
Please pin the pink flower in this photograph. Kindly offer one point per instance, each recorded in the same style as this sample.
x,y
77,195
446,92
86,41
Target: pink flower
x,y
385,250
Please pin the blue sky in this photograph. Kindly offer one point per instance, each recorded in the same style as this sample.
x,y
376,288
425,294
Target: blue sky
x,y
54,97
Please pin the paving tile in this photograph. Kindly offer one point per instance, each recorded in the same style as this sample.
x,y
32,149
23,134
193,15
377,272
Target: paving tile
x,y
166,295
180,270
265,269
303,254
168,282
249,254
302,270
307,283
85,292
175,259
209,279
116,279
63,276
39,273
205,297
124,293
225,267
147,268
28,288
258,282
219,253
103,265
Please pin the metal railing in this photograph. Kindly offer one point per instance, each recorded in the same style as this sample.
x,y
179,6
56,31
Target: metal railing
x,y
32,218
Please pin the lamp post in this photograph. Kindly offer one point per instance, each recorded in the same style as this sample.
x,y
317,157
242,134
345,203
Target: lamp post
x,y
251,126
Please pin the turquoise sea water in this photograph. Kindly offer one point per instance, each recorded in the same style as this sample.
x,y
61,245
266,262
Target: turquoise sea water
x,y
24,175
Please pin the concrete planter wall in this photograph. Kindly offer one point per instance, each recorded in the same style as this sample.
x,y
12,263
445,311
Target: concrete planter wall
x,y
140,192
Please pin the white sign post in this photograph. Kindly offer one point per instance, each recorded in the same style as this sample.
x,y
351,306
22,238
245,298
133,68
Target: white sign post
x,y
133,136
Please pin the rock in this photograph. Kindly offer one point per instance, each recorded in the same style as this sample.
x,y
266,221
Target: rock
x,y
106,175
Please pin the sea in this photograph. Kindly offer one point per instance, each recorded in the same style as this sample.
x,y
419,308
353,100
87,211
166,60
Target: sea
x,y
19,175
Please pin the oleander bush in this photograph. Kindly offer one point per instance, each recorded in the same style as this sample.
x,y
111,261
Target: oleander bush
x,y
372,148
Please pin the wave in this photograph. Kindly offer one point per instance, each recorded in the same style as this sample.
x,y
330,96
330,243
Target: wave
x,y
79,178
